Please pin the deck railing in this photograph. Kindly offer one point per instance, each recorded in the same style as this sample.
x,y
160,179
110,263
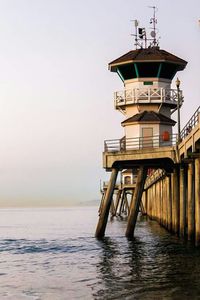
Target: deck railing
x,y
125,144
147,95
194,120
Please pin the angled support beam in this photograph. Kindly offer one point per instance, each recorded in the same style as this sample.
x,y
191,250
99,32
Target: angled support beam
x,y
122,203
135,203
103,218
117,200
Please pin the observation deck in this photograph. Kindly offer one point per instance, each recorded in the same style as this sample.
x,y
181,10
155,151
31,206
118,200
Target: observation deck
x,y
128,97
152,151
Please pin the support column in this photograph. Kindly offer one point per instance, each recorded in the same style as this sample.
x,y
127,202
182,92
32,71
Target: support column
x,y
161,202
122,203
169,203
134,209
102,200
103,218
164,204
118,200
191,202
158,200
182,202
126,205
144,202
175,202
197,201
156,203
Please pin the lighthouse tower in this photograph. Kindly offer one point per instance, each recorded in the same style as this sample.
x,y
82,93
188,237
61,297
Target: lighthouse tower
x,y
147,100
147,103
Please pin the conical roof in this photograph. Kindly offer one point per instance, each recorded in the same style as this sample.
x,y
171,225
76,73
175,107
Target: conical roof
x,y
149,117
154,54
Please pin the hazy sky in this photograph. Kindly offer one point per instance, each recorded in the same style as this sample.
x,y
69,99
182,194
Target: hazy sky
x,y
56,93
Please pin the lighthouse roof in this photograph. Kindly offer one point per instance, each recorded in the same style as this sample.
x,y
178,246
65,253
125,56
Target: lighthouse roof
x,y
149,117
154,54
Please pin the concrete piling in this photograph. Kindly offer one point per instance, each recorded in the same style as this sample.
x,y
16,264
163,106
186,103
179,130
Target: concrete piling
x,y
134,209
173,200
197,201
191,202
103,218
183,199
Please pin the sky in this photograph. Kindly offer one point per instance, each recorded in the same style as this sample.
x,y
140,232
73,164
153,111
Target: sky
x,y
56,93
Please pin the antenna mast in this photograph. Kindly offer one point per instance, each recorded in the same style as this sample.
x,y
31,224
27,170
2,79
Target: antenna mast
x,y
140,35
154,22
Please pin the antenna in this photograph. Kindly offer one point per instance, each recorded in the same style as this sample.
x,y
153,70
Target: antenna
x,y
140,35
154,22
136,23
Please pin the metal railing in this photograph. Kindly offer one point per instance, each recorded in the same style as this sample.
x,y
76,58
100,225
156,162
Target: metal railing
x,y
125,144
150,95
194,120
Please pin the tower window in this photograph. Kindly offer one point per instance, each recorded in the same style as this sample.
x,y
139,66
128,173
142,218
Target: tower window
x,y
128,71
148,82
148,69
168,70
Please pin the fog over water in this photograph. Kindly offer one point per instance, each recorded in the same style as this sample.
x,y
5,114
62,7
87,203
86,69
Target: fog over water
x,y
56,93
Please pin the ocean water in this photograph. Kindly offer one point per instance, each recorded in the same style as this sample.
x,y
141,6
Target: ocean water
x,y
52,254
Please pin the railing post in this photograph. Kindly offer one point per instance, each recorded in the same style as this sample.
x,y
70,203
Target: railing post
x,y
161,94
149,95
133,95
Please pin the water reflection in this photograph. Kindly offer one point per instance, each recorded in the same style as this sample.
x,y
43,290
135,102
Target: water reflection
x,y
155,265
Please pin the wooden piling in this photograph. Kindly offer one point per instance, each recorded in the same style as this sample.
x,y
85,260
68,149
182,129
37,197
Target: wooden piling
x,y
182,230
134,209
164,204
191,203
122,203
117,200
154,202
161,202
175,201
169,203
197,201
144,201
103,218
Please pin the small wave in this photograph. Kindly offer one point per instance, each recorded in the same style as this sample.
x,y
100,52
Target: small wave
x,y
23,246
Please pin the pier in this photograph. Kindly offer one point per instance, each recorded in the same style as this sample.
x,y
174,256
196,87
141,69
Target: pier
x,y
166,165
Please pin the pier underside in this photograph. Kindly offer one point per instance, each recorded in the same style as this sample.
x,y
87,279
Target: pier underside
x,y
164,158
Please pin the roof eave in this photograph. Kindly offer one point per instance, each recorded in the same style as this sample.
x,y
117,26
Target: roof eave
x,y
125,123
113,66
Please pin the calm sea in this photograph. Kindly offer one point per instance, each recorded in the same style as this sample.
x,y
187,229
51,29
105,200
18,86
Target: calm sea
x,y
52,254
